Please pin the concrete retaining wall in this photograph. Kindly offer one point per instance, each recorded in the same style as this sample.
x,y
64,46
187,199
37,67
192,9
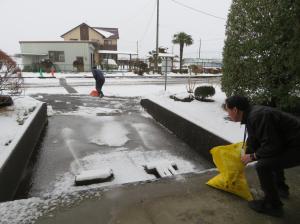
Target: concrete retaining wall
x,y
195,136
12,171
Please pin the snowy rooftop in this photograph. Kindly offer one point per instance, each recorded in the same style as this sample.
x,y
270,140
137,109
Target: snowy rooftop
x,y
106,34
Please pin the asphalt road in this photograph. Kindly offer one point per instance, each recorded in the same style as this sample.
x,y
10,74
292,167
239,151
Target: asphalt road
x,y
50,82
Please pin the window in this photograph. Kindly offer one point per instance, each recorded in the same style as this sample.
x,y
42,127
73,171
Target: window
x,y
107,42
57,56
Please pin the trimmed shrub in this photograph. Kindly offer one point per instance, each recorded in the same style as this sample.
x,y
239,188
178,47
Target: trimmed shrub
x,y
140,67
202,92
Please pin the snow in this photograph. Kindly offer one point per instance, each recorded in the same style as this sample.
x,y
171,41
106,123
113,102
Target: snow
x,y
208,115
94,111
106,34
94,174
164,168
132,90
42,82
48,90
14,121
46,76
111,134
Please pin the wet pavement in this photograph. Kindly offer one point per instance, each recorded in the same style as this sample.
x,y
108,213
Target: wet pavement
x,y
112,132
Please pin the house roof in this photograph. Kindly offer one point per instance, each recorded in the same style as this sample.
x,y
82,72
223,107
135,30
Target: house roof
x,y
104,31
113,31
31,54
91,43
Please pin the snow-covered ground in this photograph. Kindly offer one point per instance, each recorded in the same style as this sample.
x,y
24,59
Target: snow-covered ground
x,y
14,120
206,114
115,74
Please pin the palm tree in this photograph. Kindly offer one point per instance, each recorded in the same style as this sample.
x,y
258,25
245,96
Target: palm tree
x,y
182,39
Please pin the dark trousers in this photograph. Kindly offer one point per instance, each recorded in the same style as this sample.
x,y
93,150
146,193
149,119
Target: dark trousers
x,y
99,84
271,173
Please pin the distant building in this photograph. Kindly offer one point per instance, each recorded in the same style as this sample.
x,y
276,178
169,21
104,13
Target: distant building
x,y
103,37
165,60
61,53
206,63
79,51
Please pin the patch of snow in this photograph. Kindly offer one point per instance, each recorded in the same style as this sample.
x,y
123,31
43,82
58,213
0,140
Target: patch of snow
x,y
133,91
94,174
208,115
48,90
106,34
14,122
39,97
50,111
21,211
92,111
111,134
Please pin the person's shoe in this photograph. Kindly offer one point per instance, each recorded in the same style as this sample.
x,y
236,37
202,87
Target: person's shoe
x,y
283,193
264,207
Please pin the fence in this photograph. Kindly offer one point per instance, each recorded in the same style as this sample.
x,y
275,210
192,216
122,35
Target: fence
x,y
68,68
138,66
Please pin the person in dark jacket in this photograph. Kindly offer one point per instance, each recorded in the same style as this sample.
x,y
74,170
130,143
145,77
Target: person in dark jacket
x,y
100,79
274,142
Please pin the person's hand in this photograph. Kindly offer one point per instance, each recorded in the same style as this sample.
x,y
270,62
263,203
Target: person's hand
x,y
246,159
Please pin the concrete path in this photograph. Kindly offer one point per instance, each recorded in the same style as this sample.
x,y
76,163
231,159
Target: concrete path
x,y
184,199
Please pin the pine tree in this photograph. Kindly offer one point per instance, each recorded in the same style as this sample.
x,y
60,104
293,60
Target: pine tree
x,y
262,51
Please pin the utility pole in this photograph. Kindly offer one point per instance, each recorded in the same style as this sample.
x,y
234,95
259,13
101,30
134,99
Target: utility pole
x,y
200,52
157,29
199,49
137,48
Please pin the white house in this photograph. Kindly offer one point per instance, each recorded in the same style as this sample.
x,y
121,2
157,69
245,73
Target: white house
x,y
61,53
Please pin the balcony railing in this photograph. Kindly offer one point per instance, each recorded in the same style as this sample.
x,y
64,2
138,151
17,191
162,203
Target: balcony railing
x,y
109,47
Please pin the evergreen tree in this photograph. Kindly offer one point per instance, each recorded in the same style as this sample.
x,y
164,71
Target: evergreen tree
x,y
262,52
182,39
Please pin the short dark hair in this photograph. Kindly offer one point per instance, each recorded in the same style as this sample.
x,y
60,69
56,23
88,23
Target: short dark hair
x,y
240,102
94,67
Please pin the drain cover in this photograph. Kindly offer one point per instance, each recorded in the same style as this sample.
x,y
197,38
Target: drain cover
x,y
161,168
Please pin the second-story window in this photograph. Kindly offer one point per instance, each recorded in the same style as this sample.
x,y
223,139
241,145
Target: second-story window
x,y
107,42
57,56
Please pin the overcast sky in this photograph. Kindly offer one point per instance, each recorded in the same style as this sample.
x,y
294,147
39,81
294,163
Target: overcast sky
x,y
136,19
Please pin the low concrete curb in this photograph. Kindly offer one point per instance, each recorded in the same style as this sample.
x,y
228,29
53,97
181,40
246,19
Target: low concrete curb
x,y
12,171
195,136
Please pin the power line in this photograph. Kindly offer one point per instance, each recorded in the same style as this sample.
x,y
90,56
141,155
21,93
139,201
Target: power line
x,y
148,25
198,10
137,12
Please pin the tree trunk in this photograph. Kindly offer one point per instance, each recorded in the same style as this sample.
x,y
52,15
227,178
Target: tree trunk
x,y
180,57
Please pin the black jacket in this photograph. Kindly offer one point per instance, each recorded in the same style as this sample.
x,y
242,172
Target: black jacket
x,y
270,131
98,75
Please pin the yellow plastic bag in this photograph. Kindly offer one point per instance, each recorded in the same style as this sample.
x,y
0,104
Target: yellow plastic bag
x,y
232,177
